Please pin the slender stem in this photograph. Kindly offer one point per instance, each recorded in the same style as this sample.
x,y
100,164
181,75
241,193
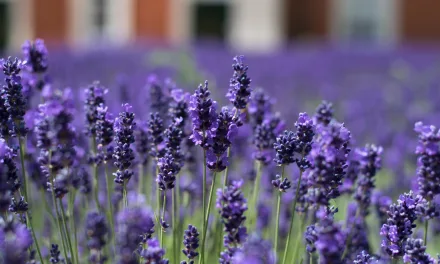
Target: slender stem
x,y
173,222
211,194
202,249
73,222
255,191
96,187
69,241
277,224
225,175
109,203
425,238
29,220
162,231
23,169
46,206
157,198
124,194
141,179
311,258
295,200
60,229
298,239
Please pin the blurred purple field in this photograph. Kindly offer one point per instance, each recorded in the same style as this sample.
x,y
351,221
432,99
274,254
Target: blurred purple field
x,y
378,93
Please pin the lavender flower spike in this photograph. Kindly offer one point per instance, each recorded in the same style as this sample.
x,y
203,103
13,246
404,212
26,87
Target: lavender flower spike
x,y
415,252
202,111
191,243
123,154
239,88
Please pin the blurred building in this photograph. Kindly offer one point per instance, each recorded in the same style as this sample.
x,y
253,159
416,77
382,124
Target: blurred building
x,y
244,24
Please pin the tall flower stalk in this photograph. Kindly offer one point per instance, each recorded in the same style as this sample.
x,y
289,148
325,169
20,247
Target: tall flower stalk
x,y
202,110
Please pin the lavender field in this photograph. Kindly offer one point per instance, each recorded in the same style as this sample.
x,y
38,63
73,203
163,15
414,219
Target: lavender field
x,y
147,155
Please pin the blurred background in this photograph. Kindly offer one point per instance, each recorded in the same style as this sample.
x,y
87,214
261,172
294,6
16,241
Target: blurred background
x,y
248,25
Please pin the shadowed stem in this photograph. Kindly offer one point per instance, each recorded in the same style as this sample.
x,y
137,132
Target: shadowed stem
x,y
425,237
162,230
96,187
298,239
73,222
109,204
23,169
254,204
277,223
141,179
295,200
173,222
124,194
66,228
29,220
202,249
225,175
52,187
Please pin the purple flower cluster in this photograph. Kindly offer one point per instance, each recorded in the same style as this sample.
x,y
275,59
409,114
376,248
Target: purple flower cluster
x,y
124,137
255,251
232,205
328,163
12,97
15,241
134,226
239,88
370,163
400,224
9,180
415,252
191,243
202,110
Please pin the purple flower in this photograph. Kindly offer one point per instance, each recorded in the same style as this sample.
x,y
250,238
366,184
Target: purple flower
x,y
191,242
364,258
357,230
381,204
133,226
15,240
428,162
142,143
9,181
124,137
255,251
104,133
55,254
97,232
281,184
94,100
232,205
285,147
168,170
220,140
239,88
324,113
310,236
264,139
12,96
331,239
35,56
370,161
202,111
415,252
399,225
328,161
155,134
153,253
159,98
179,106
260,106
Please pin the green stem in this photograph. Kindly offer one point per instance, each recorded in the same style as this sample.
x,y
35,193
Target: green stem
x,y
60,228
141,179
255,191
73,222
202,249
47,207
124,194
23,169
425,238
211,194
173,222
297,240
29,220
225,175
162,230
109,203
277,224
157,199
286,249
96,187
69,240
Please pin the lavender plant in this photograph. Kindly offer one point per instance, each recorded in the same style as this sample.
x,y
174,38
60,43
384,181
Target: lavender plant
x,y
333,206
